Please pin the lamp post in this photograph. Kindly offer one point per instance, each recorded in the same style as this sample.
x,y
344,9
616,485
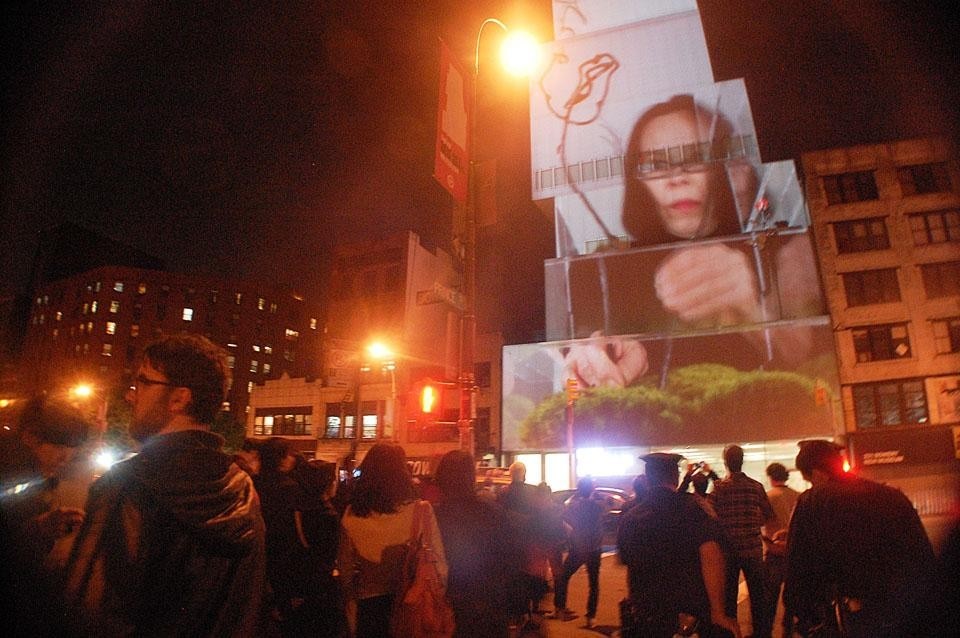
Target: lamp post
x,y
382,353
518,54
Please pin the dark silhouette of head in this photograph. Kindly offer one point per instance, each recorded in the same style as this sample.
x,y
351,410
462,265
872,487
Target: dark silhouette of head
x,y
733,458
384,484
193,361
585,486
700,482
822,455
662,469
456,475
778,472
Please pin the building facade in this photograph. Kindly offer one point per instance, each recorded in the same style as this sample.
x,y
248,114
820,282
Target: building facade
x,y
886,218
403,296
92,327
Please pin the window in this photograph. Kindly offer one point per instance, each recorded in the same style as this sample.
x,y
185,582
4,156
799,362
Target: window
x,y
107,350
935,227
118,286
313,323
850,187
879,343
946,335
58,316
141,288
481,374
924,178
266,368
135,330
296,421
111,328
187,314
334,423
261,302
871,286
256,348
114,307
291,335
369,419
273,308
254,366
889,403
93,306
941,280
861,234
237,297
267,350
231,361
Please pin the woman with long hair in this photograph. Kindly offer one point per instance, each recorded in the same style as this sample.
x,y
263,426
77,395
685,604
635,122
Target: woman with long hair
x,y
373,532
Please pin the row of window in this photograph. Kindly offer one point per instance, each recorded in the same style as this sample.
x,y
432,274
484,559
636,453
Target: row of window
x,y
892,341
865,287
861,186
861,235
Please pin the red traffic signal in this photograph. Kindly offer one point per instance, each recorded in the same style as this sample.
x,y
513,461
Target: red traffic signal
x,y
426,400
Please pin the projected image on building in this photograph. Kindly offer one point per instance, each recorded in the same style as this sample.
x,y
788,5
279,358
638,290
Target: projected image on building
x,y
687,390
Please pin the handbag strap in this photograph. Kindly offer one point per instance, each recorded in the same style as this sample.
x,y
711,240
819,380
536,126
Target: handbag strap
x,y
416,524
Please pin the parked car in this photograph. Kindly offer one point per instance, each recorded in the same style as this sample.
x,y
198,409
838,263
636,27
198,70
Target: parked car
x,y
612,498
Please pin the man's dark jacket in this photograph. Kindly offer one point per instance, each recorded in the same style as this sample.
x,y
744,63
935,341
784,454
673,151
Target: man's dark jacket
x,y
173,545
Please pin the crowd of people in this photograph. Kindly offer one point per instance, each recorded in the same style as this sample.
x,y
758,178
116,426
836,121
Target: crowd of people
x,y
185,539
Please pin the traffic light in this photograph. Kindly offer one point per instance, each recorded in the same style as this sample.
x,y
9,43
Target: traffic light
x,y
429,398
573,390
425,400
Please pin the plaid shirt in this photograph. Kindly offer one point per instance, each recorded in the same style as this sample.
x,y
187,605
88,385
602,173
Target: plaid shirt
x,y
742,506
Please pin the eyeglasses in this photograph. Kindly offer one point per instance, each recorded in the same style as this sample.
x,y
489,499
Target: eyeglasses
x,y
141,380
661,169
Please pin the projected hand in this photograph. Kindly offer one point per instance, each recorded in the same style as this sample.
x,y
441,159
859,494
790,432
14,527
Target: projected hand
x,y
712,283
614,361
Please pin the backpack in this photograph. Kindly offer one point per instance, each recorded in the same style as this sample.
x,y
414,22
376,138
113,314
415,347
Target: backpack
x,y
420,608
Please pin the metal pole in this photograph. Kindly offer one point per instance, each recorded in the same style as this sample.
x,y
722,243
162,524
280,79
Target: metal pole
x,y
570,450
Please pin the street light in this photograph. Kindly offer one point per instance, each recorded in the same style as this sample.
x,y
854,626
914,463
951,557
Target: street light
x,y
516,46
385,355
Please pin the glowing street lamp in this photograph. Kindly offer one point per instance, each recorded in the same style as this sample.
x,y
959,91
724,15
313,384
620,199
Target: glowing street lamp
x,y
520,54
385,355
82,391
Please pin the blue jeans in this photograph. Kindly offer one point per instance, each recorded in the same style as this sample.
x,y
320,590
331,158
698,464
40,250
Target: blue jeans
x,y
572,563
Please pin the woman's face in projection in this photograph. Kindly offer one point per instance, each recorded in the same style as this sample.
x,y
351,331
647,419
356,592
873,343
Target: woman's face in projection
x,y
684,201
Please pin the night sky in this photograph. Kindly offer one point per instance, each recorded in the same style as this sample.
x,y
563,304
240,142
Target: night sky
x,y
239,140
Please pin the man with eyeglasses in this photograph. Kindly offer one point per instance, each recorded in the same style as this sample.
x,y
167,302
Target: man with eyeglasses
x,y
173,542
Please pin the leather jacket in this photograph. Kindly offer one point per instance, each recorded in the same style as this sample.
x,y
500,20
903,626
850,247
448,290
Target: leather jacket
x,y
173,545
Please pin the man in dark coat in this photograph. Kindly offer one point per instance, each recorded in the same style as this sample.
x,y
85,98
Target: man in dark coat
x,y
675,566
173,543
855,547
584,515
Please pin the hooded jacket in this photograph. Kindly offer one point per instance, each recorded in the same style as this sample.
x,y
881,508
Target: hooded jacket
x,y
173,545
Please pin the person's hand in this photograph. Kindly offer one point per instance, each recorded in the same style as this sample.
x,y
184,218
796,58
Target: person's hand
x,y
59,522
730,624
713,283
614,362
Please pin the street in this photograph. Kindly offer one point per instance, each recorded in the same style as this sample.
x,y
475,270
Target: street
x,y
613,588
